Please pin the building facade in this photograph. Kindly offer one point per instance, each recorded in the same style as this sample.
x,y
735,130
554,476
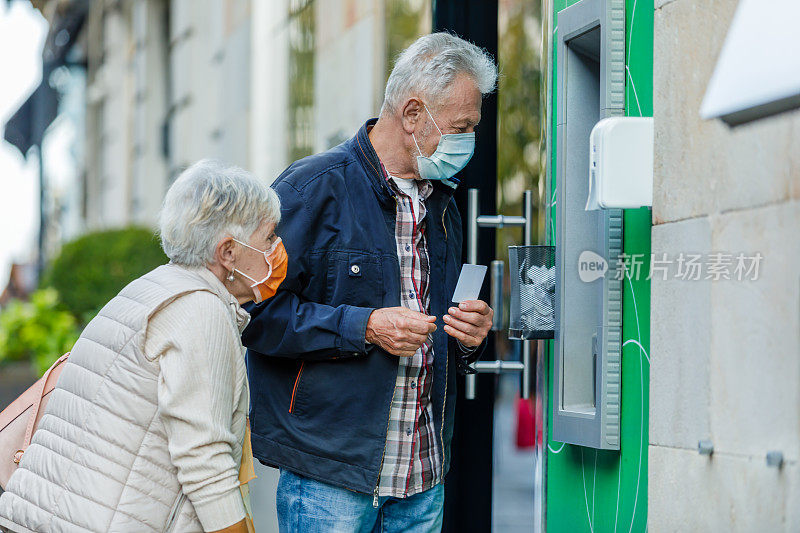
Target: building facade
x,y
725,353
160,84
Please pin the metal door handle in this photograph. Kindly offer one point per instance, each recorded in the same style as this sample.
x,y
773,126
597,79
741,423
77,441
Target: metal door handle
x,y
496,298
474,221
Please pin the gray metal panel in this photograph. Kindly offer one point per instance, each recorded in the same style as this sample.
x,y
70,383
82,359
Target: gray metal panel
x,y
591,86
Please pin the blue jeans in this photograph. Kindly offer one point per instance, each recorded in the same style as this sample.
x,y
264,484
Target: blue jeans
x,y
309,506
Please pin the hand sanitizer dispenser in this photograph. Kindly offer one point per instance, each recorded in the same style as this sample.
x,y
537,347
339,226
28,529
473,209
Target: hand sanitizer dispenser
x,y
621,163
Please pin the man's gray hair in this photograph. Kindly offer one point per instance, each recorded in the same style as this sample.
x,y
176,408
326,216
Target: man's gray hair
x,y
209,201
428,67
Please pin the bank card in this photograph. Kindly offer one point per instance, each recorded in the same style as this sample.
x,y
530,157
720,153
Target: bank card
x,y
469,283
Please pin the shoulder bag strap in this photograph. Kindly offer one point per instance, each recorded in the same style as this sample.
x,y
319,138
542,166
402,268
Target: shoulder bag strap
x,y
37,404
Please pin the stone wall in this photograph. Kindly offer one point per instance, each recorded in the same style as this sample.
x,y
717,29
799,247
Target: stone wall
x,y
725,355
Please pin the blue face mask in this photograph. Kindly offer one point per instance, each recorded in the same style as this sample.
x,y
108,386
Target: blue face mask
x,y
452,154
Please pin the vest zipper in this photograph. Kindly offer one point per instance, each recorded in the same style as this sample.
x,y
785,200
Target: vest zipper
x,y
296,383
173,514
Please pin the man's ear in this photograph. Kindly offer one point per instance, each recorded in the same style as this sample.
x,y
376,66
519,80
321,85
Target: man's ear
x,y
411,117
225,253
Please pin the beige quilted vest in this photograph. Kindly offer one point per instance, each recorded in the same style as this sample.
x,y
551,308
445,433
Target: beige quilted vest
x,y
99,459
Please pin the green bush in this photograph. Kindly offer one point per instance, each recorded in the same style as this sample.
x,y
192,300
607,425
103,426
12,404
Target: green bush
x,y
92,269
39,331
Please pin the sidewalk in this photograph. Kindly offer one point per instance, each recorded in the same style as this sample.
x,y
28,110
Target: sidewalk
x,y
513,486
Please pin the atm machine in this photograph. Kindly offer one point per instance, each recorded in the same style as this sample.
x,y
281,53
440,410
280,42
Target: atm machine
x,y
604,164
591,87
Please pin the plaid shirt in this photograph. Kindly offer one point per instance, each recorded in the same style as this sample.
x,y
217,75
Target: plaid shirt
x,y
412,461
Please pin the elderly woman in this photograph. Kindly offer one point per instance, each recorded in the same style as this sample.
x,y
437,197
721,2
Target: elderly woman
x,y
146,428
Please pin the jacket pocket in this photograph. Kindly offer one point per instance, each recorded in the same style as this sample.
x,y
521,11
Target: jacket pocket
x,y
296,386
354,278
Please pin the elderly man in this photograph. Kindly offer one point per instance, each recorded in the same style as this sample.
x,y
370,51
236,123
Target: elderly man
x,y
352,364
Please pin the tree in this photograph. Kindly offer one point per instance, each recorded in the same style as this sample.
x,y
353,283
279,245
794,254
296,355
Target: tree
x,y
92,269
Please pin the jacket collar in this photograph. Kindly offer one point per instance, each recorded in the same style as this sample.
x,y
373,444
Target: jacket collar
x,y
369,160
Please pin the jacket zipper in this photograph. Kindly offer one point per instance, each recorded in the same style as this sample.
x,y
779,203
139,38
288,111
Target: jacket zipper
x,y
446,363
375,498
173,515
296,383
441,432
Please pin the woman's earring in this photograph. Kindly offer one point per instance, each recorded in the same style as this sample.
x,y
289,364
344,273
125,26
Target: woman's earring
x,y
230,276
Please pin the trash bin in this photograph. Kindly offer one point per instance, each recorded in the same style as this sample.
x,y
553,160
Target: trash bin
x,y
533,292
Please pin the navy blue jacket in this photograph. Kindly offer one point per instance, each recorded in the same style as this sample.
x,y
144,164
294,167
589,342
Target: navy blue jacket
x,y
319,399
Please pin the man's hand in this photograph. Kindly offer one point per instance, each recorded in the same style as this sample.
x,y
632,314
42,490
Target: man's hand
x,y
398,330
470,322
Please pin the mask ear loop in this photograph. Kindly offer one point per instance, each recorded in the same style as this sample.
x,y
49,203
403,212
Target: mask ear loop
x,y
269,273
434,124
432,120
266,254
417,145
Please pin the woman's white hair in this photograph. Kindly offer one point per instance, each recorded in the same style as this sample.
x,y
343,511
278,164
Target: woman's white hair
x,y
209,201
428,67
